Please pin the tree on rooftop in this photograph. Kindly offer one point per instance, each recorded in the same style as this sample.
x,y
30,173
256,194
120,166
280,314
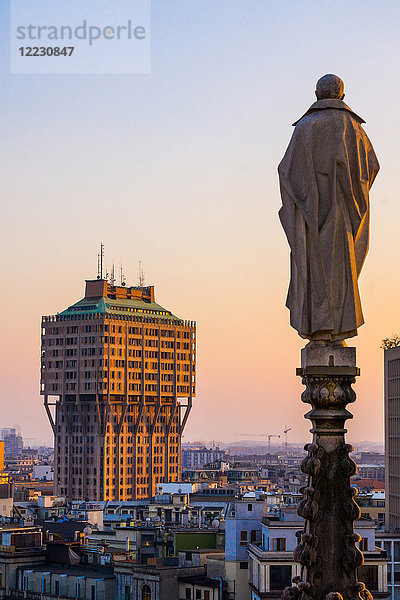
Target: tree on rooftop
x,y
391,342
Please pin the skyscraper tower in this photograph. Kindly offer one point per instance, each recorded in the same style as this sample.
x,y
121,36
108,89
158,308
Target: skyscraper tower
x,y
118,379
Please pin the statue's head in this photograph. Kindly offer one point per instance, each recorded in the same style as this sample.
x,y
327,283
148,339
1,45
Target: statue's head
x,y
329,86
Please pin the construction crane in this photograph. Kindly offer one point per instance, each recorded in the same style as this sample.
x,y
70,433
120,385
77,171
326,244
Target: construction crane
x,y
266,436
286,431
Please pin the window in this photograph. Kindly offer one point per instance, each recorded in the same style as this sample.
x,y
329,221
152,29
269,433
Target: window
x,y
369,575
388,547
396,548
364,544
127,593
249,507
243,538
146,593
188,593
396,574
198,594
279,545
253,535
280,575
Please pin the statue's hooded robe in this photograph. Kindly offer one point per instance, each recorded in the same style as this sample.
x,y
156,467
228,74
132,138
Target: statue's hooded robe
x,y
325,178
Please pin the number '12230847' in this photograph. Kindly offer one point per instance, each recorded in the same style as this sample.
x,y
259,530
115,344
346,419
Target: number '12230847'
x,y
46,51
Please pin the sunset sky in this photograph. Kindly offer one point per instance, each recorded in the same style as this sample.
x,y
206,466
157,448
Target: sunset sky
x,y
178,168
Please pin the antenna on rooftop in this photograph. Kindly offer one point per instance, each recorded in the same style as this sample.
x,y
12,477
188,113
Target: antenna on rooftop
x,y
100,257
112,278
123,278
141,274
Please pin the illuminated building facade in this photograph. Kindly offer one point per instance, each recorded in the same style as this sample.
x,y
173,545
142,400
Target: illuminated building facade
x,y
392,437
118,379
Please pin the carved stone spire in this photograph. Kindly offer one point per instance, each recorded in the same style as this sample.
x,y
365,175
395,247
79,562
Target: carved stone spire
x,y
327,549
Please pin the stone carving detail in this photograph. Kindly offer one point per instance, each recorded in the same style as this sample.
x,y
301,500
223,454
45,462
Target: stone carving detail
x,y
324,392
290,593
327,546
334,596
308,507
362,591
305,552
300,590
352,557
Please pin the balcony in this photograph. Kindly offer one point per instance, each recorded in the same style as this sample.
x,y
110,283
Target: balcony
x,y
270,555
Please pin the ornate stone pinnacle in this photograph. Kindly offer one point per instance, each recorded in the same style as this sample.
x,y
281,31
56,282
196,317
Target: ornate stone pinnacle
x,y
326,548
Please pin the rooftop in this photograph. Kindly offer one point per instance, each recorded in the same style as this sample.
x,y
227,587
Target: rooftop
x,y
200,580
12,528
75,571
395,535
150,569
102,297
378,495
204,551
292,520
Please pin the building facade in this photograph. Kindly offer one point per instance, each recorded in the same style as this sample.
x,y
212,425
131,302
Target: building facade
x,y
55,581
13,443
392,436
6,431
196,458
152,582
272,566
119,371
371,471
20,548
242,527
390,542
372,506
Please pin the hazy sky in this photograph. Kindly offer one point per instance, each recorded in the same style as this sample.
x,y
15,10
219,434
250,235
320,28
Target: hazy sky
x,y
179,168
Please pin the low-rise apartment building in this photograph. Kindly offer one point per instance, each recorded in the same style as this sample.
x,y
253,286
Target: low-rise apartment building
x,y
272,566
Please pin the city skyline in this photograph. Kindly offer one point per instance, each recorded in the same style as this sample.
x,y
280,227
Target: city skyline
x,y
178,168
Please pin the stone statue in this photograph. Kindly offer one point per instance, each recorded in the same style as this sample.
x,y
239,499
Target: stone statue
x,y
325,178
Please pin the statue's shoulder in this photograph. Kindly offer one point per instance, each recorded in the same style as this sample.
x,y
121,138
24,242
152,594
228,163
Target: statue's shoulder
x,y
320,106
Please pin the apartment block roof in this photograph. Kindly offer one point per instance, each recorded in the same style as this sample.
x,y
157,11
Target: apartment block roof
x,y
104,298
